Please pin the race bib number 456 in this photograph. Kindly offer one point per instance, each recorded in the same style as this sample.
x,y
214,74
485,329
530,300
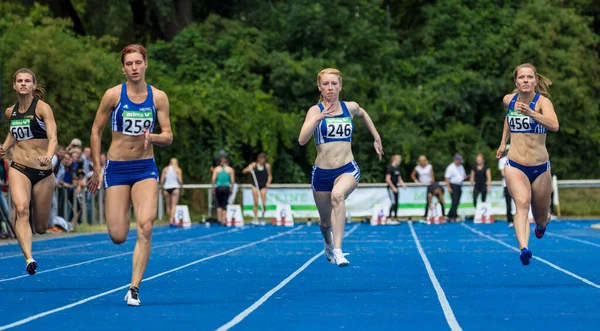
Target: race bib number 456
x,y
135,122
518,122
338,128
20,129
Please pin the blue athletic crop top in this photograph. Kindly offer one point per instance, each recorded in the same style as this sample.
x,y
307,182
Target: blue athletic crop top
x,y
133,118
337,128
520,123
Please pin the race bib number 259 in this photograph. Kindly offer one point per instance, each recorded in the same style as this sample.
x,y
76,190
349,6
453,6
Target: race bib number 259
x,y
135,122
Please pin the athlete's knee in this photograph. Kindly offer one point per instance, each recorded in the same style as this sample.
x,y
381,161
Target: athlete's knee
x,y
337,198
118,238
144,229
325,224
22,211
40,228
522,203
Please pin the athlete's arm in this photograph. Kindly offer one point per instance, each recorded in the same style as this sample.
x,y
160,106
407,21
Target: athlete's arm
x,y
505,130
9,142
162,176
413,175
488,174
180,177
472,179
107,104
269,174
312,119
362,114
431,174
48,117
388,180
248,169
401,182
165,138
547,115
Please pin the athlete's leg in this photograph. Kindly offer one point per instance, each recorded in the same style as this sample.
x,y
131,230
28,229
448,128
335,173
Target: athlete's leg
x,y
323,202
263,196
255,206
167,198
20,193
174,202
342,187
42,203
475,195
520,190
541,191
143,197
484,193
118,200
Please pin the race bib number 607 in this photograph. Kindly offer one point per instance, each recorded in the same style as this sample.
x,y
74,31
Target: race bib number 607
x,y
21,129
135,122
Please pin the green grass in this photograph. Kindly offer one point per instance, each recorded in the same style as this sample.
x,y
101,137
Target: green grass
x,y
579,202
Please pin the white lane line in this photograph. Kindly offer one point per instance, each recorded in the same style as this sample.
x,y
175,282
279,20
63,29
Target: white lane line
x,y
572,239
589,282
274,290
133,237
80,302
2,280
15,242
448,313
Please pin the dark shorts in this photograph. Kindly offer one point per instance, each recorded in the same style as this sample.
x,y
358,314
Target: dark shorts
x,y
222,196
128,172
433,187
171,190
532,172
323,179
34,175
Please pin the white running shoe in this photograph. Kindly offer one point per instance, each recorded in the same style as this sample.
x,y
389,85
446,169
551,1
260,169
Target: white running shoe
x,y
263,223
329,253
133,297
255,222
511,225
339,258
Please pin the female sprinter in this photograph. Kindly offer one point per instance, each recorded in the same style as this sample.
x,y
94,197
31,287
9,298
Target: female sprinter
x,y
32,130
223,180
335,173
130,173
262,175
171,181
529,117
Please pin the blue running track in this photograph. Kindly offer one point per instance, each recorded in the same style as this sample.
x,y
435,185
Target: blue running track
x,y
405,277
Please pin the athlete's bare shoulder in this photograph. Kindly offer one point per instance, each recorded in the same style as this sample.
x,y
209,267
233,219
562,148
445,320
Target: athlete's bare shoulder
x,y
507,98
158,93
8,111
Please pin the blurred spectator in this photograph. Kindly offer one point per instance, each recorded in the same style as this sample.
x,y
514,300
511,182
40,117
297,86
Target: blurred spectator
x,y
223,179
60,153
76,157
482,176
424,170
4,182
507,197
74,143
64,180
435,190
393,178
260,170
87,159
455,175
171,180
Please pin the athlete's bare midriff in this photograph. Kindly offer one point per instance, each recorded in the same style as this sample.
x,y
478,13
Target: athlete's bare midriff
x,y
128,148
528,149
333,155
26,152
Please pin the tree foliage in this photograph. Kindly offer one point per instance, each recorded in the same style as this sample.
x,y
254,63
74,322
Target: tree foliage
x,y
240,75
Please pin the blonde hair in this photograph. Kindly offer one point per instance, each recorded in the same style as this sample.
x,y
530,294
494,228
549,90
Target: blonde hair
x,y
326,71
38,92
542,82
422,157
